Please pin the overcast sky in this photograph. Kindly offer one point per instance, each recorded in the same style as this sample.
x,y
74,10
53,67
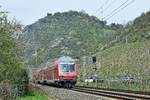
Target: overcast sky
x,y
29,11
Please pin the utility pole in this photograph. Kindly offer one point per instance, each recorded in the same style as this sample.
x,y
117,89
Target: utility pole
x,y
84,67
126,39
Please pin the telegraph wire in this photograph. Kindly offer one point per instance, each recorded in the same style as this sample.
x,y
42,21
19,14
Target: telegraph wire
x,y
108,17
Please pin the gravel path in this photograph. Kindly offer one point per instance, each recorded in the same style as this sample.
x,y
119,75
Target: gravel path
x,y
64,94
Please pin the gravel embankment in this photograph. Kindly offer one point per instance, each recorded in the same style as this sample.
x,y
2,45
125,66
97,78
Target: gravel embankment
x,y
64,94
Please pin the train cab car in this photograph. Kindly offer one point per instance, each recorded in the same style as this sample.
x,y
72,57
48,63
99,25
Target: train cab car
x,y
62,72
67,72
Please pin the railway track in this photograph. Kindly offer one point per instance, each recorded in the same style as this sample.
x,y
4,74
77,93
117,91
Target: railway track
x,y
114,94
66,94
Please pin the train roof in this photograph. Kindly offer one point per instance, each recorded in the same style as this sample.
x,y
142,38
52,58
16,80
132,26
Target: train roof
x,y
61,60
65,59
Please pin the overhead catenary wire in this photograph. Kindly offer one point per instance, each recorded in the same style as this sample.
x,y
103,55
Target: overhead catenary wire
x,y
103,10
117,11
101,7
107,7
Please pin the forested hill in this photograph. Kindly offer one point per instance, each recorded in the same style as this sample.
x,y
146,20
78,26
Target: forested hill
x,y
138,29
76,34
68,33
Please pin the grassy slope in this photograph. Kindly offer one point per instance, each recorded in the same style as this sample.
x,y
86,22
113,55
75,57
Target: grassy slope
x,y
129,59
35,96
122,60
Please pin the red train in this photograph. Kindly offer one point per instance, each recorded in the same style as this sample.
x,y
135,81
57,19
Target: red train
x,y
62,72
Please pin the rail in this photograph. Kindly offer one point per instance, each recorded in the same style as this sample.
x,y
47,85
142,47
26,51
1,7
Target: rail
x,y
114,93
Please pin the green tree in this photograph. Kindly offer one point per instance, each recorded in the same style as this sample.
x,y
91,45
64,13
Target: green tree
x,y
12,68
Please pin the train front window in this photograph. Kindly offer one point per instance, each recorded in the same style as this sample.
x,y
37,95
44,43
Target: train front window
x,y
67,68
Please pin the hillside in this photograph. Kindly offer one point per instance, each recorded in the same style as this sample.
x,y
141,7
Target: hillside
x,y
138,29
69,33
127,55
123,60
